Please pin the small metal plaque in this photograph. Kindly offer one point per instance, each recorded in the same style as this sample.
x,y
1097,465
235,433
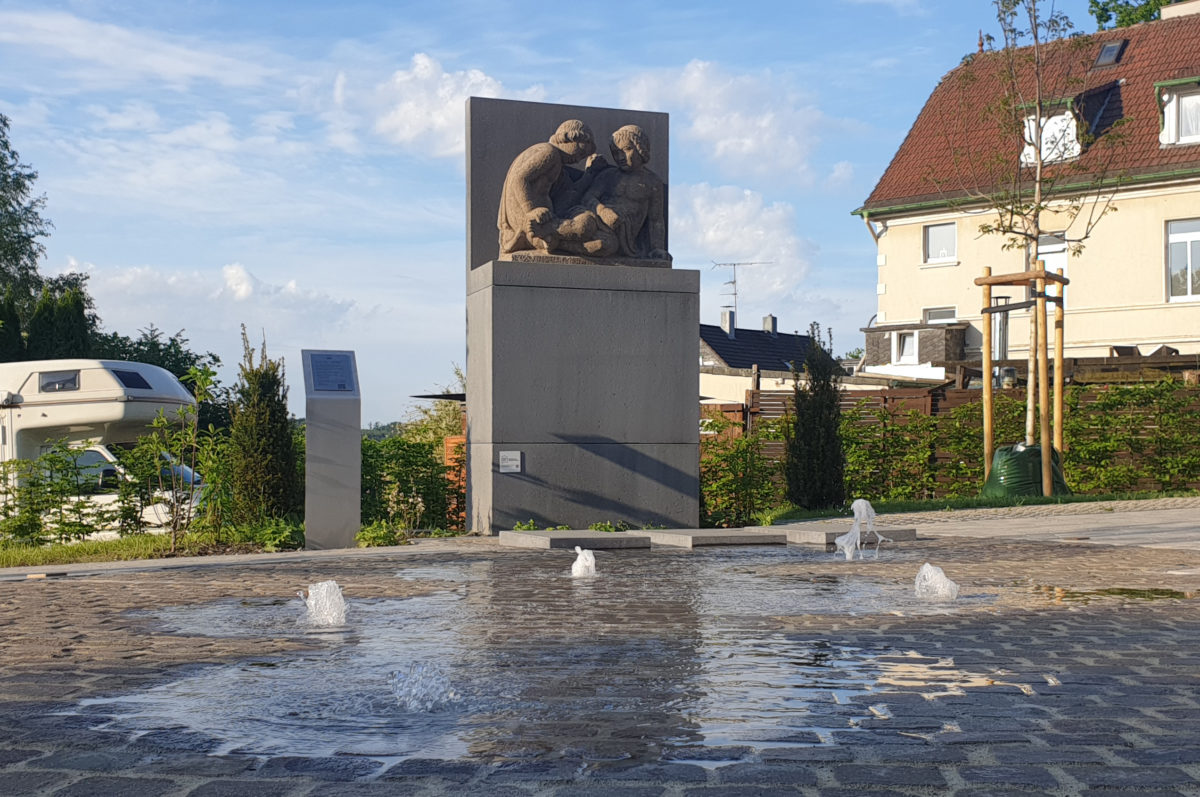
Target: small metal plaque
x,y
510,461
332,372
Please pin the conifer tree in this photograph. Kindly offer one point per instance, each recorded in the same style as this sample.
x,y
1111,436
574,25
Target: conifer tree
x,y
41,339
12,345
814,465
265,481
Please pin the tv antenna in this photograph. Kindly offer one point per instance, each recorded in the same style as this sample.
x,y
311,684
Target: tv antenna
x,y
732,283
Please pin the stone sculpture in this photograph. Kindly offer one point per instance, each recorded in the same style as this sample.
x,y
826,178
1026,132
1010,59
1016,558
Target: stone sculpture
x,y
537,184
611,212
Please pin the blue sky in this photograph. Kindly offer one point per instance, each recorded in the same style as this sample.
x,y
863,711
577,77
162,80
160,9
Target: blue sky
x,y
298,166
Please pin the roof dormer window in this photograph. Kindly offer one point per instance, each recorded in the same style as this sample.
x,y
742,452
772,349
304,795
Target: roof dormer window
x,y
1110,53
1060,138
1180,103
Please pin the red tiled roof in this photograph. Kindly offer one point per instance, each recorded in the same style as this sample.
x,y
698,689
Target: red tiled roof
x,y
929,167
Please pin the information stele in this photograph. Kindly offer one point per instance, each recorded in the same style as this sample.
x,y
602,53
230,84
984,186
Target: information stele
x,y
333,449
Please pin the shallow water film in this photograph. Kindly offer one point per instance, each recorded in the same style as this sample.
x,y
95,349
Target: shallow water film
x,y
662,655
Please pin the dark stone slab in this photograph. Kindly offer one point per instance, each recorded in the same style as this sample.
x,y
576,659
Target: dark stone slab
x,y
454,771
110,786
882,775
240,788
1031,776
654,773
321,768
1132,777
15,756
174,741
29,781
90,761
789,774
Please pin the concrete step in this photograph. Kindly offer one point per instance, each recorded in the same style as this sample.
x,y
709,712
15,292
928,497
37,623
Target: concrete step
x,y
693,538
592,540
809,534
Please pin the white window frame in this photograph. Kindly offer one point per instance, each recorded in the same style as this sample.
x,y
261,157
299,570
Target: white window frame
x,y
1060,138
927,310
1171,98
911,359
1191,241
926,257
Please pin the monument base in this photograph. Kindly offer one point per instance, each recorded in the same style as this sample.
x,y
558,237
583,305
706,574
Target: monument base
x,y
582,395
580,260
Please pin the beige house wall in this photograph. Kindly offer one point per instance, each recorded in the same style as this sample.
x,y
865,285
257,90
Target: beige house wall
x,y
1118,292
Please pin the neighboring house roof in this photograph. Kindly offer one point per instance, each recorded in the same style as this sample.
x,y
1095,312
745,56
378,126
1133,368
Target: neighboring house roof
x,y
928,169
753,347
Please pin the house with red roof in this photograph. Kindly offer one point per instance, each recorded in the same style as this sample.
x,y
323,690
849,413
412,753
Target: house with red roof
x,y
1120,147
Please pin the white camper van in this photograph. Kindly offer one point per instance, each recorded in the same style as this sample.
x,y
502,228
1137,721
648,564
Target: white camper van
x,y
99,403
83,401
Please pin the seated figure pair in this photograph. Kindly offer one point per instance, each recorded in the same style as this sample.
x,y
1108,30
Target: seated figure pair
x,y
599,211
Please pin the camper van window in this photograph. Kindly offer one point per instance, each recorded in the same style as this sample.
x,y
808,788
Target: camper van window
x,y
58,381
132,380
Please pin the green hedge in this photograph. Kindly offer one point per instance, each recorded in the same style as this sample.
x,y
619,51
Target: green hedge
x,y
1118,438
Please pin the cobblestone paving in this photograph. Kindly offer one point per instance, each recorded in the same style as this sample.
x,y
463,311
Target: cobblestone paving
x,y
1080,676
1043,510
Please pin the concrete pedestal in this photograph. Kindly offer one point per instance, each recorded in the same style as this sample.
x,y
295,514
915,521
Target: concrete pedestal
x,y
582,395
333,449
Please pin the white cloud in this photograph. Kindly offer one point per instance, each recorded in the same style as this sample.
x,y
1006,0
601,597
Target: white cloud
x,y
124,55
747,123
728,224
133,115
840,176
424,105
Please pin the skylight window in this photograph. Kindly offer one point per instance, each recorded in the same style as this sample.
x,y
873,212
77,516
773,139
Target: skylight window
x,y
1110,53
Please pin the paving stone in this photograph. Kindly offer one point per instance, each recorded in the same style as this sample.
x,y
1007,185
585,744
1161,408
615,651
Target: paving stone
x,y
928,754
1163,756
881,775
826,754
90,761
1031,776
654,773
29,781
320,768
240,788
370,789
740,791
110,786
172,741
1056,755
593,790
454,771
15,756
787,773
194,764
1132,777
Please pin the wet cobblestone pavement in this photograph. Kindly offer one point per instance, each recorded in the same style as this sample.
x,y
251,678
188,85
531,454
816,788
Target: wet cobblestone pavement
x,y
1063,669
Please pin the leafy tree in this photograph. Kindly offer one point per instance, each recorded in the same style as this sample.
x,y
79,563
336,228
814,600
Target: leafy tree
x,y
21,223
12,344
1010,156
435,421
41,341
153,347
737,481
263,471
814,463
1124,12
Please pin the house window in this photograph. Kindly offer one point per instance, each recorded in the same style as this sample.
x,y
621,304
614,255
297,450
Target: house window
x,y
941,243
940,315
1183,260
1060,138
1181,114
904,348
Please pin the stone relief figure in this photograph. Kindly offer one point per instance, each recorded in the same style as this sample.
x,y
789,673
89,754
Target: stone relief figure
x,y
628,202
549,208
539,188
